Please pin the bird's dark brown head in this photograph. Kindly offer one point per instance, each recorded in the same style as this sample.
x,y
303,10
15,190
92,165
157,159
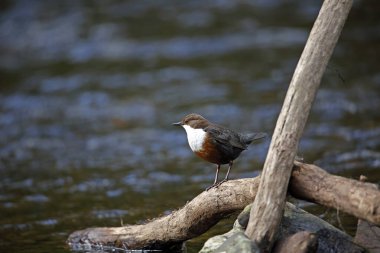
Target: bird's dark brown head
x,y
193,120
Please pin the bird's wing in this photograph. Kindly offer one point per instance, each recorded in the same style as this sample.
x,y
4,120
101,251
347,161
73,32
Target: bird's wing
x,y
225,137
250,137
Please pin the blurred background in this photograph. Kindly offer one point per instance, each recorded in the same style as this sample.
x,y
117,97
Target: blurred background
x,y
89,89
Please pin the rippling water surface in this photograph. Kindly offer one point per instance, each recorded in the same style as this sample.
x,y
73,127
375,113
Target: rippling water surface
x,y
88,92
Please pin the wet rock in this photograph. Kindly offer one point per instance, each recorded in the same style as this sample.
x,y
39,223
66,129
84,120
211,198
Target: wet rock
x,y
367,235
301,242
215,242
234,240
243,217
295,220
238,243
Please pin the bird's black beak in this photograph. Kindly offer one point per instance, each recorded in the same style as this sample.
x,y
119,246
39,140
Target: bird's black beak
x,y
177,124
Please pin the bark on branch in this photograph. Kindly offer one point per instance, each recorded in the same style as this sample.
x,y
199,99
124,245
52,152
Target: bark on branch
x,y
308,182
195,218
268,206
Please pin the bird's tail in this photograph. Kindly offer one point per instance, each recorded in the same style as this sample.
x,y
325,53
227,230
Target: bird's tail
x,y
248,138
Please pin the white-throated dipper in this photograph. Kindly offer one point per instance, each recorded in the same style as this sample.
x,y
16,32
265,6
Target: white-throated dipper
x,y
215,143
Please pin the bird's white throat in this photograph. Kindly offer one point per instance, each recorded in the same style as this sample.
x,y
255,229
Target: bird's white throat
x,y
195,137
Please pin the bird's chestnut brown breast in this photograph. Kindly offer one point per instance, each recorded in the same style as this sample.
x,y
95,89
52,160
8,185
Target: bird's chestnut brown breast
x,y
211,153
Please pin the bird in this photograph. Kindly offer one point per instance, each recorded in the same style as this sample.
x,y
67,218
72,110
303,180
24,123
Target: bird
x,y
215,143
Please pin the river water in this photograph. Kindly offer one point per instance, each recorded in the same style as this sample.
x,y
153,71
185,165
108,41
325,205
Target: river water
x,y
89,89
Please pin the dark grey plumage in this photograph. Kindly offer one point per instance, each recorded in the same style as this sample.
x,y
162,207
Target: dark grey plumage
x,y
230,143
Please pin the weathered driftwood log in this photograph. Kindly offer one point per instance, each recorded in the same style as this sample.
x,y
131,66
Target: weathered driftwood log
x,y
268,206
309,182
209,207
196,217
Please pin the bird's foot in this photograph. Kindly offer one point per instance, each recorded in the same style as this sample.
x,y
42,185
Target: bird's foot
x,y
210,187
216,185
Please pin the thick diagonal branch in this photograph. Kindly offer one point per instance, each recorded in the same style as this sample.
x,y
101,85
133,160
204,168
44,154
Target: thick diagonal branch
x,y
268,206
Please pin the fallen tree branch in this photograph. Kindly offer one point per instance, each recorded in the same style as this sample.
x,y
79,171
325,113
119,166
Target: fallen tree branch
x,y
307,182
362,200
195,218
268,206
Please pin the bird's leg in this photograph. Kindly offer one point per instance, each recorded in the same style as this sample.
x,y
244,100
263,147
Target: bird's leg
x,y
228,171
225,179
216,175
216,178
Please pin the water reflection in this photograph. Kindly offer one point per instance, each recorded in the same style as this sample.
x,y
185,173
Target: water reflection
x,y
89,90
